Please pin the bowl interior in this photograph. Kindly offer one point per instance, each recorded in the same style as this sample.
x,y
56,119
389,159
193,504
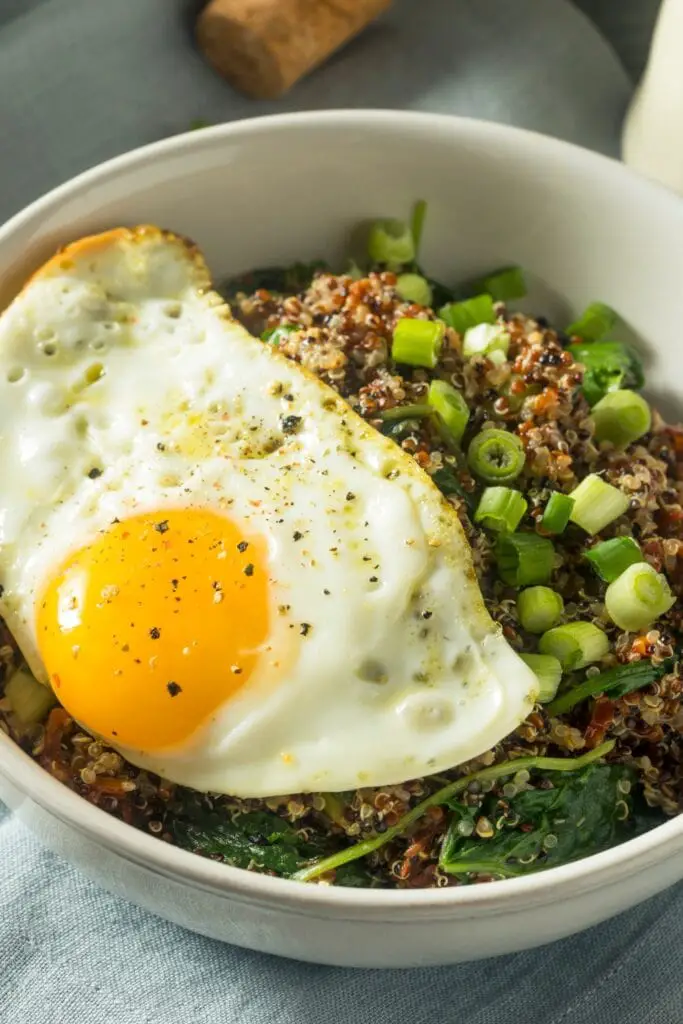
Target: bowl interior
x,y
295,187
278,189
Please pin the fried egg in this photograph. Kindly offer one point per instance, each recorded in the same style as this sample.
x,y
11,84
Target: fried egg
x,y
221,570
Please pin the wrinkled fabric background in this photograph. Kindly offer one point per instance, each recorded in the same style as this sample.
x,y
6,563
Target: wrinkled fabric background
x,y
83,80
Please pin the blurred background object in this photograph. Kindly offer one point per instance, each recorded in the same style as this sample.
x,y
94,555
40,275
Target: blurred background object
x,y
653,133
84,80
263,47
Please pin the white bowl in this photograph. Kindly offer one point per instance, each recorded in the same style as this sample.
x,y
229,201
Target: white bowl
x,y
275,189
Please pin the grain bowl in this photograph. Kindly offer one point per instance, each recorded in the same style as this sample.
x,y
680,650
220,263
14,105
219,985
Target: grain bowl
x,y
582,228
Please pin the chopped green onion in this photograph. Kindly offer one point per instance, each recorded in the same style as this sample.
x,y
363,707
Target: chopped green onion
x,y
615,682
575,645
450,407
611,557
539,609
484,339
275,335
414,288
524,559
609,365
504,285
496,456
417,223
639,596
596,504
417,342
621,417
548,671
556,513
500,508
463,315
594,323
496,357
391,241
406,412
29,700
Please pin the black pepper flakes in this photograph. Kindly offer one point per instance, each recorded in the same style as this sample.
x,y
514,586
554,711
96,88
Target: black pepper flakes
x,y
249,570
305,628
297,535
374,579
161,447
94,473
174,689
161,527
290,424
155,633
242,546
427,615
350,496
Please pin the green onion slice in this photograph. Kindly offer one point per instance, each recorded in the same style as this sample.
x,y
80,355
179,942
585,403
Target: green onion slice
x,y
638,597
414,288
484,339
391,241
575,645
501,509
539,609
611,557
450,407
556,513
29,700
463,315
594,323
621,417
275,335
415,411
524,559
417,342
548,671
496,456
596,504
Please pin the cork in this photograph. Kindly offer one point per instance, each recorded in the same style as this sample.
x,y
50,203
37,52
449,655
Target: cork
x,y
262,47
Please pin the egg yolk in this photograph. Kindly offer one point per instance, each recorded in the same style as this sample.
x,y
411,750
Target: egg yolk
x,y
149,630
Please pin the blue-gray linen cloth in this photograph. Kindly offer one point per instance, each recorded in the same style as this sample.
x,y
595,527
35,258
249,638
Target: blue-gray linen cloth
x,y
84,80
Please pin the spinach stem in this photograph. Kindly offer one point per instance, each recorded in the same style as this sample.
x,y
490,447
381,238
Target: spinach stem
x,y
442,796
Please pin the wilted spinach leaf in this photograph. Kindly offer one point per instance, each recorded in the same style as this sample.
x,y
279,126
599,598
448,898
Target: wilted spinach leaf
x,y
353,876
614,682
280,280
578,814
609,366
447,482
258,838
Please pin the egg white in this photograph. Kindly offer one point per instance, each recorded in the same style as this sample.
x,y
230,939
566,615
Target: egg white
x,y
126,387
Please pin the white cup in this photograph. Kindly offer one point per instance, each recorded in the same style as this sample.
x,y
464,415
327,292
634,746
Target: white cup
x,y
652,141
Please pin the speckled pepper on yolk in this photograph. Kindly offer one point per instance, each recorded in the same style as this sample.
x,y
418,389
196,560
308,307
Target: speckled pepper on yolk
x,y
147,631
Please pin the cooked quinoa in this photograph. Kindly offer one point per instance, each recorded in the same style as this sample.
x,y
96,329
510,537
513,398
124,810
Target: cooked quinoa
x,y
341,330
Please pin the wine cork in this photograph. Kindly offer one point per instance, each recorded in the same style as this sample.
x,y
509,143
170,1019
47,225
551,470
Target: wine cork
x,y
263,47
